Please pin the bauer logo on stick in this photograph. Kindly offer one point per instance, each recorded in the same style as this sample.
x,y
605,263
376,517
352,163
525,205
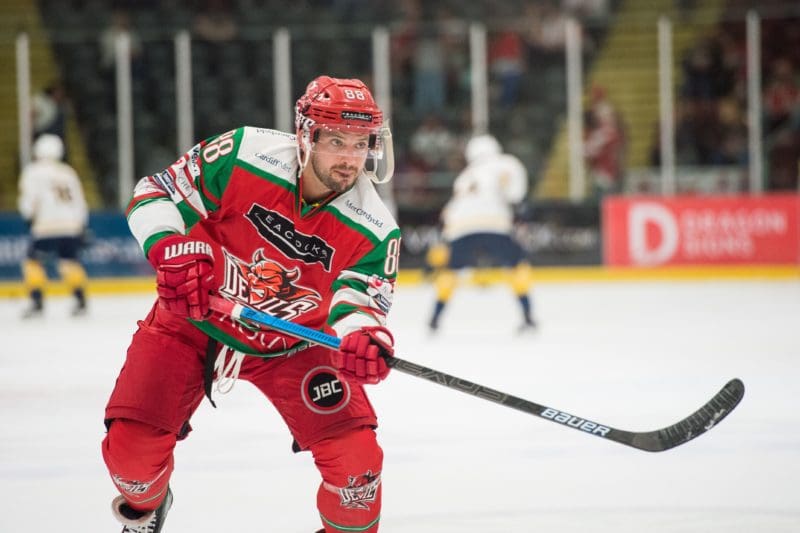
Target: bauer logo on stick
x,y
579,423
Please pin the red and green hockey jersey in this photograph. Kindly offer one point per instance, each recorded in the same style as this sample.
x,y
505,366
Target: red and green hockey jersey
x,y
328,265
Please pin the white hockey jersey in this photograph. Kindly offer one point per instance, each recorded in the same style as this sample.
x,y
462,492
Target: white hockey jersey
x,y
51,198
483,195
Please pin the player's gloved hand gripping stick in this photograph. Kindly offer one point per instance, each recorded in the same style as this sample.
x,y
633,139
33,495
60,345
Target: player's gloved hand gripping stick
x,y
659,440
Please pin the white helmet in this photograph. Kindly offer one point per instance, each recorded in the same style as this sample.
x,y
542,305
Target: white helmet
x,y
48,146
482,146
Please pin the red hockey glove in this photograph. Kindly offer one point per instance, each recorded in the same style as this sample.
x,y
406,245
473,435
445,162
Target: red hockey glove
x,y
361,355
184,275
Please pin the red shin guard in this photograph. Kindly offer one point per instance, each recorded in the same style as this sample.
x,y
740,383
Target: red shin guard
x,y
139,459
349,498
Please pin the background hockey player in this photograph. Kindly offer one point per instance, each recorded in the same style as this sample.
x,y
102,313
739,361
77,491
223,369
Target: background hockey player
x,y
477,224
290,225
51,201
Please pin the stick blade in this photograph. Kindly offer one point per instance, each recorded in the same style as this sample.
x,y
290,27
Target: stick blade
x,y
694,425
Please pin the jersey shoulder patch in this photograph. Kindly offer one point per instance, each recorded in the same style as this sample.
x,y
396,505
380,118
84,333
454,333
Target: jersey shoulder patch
x,y
271,151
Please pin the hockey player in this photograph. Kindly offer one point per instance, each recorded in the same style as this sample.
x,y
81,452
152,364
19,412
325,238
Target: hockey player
x,y
52,203
477,223
289,224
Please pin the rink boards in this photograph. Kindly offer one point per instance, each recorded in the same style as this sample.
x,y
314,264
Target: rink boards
x,y
539,275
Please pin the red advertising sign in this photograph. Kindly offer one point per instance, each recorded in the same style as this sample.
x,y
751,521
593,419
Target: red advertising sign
x,y
701,230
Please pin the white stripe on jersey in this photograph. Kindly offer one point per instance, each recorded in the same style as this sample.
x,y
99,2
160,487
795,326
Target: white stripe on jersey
x,y
155,217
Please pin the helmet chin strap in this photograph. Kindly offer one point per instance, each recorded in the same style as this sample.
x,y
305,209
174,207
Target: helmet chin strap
x,y
303,149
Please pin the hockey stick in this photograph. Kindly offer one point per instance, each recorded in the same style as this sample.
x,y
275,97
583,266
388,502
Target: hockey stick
x,y
659,440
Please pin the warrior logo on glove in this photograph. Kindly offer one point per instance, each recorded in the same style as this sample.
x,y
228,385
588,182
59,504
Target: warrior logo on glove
x,y
187,248
184,275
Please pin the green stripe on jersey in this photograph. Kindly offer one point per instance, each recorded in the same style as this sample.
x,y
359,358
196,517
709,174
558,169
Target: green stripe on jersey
x,y
189,215
146,201
152,239
343,309
354,284
272,178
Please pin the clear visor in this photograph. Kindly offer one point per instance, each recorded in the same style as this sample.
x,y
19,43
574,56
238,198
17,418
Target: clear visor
x,y
380,163
350,141
374,145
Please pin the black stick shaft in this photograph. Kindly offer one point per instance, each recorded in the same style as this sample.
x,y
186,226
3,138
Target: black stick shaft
x,y
654,441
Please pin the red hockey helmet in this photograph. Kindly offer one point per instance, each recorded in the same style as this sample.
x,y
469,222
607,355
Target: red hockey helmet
x,y
344,104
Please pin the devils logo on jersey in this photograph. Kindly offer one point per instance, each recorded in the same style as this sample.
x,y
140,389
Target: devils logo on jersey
x,y
268,286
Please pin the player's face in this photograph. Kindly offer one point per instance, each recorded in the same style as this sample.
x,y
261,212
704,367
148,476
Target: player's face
x,y
338,158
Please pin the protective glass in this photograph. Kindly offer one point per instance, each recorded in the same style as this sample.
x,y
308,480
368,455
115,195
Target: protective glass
x,y
372,144
349,141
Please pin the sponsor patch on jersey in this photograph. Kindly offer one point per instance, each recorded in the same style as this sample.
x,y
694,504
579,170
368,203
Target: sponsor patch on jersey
x,y
381,293
357,115
184,184
274,161
164,178
323,392
194,165
268,286
280,231
363,213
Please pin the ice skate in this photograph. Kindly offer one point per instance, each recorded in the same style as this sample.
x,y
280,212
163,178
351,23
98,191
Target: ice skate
x,y
33,311
134,521
79,310
80,303
528,326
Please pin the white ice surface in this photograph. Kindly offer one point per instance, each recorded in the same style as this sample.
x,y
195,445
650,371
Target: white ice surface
x,y
634,356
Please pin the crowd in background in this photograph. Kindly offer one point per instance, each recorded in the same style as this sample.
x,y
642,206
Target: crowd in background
x,y
431,85
711,110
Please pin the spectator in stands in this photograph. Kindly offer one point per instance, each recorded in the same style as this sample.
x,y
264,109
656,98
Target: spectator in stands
x,y
429,73
732,143
507,64
454,34
49,111
784,161
403,37
594,11
782,125
432,144
120,24
215,22
604,145
781,96
547,27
